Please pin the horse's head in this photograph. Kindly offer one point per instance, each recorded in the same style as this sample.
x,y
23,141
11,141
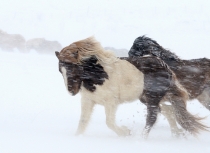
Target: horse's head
x,y
88,72
79,51
69,54
143,46
71,74
80,60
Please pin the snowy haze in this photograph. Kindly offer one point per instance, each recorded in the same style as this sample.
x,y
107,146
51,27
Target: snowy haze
x,y
183,27
37,115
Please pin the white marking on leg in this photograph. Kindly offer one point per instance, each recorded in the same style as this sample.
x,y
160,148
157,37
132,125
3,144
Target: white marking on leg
x,y
86,111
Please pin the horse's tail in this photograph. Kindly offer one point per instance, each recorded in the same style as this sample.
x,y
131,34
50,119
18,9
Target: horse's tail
x,y
178,97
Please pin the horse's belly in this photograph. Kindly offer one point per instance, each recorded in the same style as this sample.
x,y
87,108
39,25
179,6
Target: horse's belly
x,y
132,90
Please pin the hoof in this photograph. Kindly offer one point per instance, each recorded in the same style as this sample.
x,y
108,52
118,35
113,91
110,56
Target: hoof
x,y
178,133
145,133
125,131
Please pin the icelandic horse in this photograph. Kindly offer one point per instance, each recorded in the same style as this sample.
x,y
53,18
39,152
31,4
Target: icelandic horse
x,y
102,78
193,75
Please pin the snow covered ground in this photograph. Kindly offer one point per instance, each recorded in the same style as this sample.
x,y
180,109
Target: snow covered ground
x,y
37,115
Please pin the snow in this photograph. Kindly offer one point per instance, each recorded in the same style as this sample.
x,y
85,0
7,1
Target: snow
x,y
37,114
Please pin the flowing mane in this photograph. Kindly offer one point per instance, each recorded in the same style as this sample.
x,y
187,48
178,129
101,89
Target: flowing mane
x,y
85,49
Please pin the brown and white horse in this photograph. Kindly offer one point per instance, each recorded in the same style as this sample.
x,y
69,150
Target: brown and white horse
x,y
102,78
193,75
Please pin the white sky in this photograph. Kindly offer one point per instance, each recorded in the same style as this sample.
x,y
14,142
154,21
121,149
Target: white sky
x,y
181,26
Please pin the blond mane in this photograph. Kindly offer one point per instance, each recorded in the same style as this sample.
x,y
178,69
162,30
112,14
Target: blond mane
x,y
84,49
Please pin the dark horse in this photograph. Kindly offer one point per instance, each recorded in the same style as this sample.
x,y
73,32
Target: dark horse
x,y
102,78
194,75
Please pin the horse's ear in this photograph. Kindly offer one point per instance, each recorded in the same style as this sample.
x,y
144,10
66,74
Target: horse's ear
x,y
57,54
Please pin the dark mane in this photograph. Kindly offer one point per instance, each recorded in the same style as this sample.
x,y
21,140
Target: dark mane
x,y
90,73
93,74
147,46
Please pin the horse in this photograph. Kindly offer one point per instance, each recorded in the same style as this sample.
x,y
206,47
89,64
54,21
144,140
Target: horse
x,y
193,75
41,45
102,78
9,42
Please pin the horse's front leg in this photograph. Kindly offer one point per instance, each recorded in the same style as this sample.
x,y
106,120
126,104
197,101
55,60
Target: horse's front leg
x,y
86,111
152,111
110,111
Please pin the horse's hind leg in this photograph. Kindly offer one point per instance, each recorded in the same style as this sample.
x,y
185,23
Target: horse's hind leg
x,y
168,112
110,121
204,98
86,111
152,111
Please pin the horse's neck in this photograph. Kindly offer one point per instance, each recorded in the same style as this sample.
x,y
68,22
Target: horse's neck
x,y
172,63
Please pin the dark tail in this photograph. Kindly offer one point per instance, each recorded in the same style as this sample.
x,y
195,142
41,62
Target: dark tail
x,y
178,97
